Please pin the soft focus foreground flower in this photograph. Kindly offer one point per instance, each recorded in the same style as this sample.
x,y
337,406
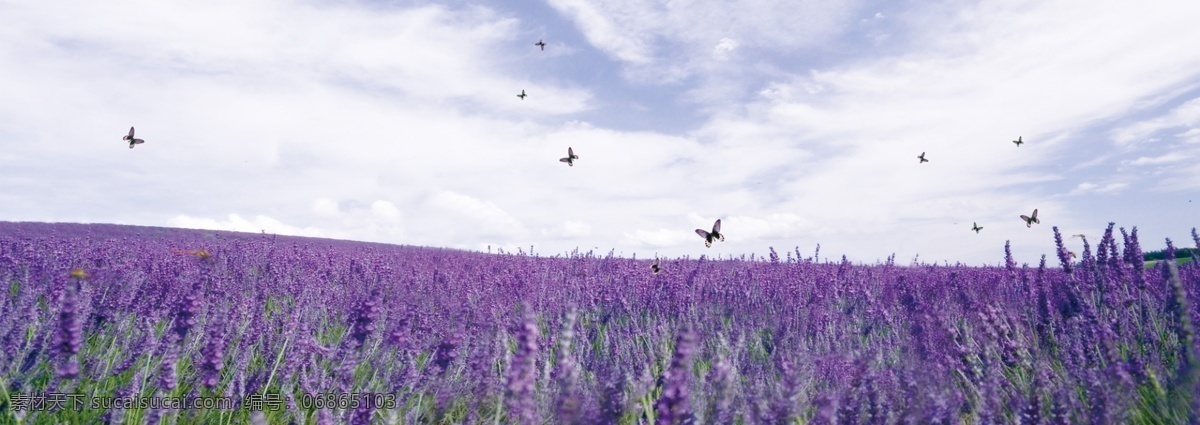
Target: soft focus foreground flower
x,y
69,335
672,406
522,373
185,316
213,355
365,318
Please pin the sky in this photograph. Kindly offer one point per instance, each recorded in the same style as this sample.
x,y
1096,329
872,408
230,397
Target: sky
x,y
795,122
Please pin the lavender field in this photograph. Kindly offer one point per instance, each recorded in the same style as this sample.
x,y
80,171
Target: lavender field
x,y
422,335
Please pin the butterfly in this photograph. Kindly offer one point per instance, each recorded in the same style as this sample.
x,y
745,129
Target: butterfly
x,y
132,141
1029,220
1018,142
975,227
541,44
654,267
522,95
715,235
571,157
922,158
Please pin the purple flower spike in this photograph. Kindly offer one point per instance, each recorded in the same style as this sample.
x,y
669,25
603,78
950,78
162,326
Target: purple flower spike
x,y
672,406
523,373
365,318
1064,257
166,377
568,374
214,356
185,319
69,336
1009,264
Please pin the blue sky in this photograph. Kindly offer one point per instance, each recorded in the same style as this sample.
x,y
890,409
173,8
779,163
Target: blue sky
x,y
796,122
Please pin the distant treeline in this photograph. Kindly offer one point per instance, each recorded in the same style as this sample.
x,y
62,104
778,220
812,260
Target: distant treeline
x,y
1179,253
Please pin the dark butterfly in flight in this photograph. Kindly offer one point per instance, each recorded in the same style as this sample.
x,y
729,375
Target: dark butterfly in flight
x,y
571,157
715,235
132,141
654,267
922,158
1029,220
522,95
1018,142
541,44
975,227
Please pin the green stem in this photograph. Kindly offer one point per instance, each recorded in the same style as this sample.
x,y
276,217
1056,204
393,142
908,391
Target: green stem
x,y
276,366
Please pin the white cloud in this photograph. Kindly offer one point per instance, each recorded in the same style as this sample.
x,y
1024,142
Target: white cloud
x,y
236,223
1158,160
569,229
659,238
1113,187
617,34
1086,187
1185,115
770,227
630,30
325,207
488,218
1190,136
724,48
385,210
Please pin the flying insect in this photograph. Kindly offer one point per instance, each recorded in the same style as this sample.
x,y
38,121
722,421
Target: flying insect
x,y
1030,220
571,157
132,141
715,235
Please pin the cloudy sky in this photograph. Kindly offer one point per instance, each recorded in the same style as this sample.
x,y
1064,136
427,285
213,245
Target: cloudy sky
x,y
796,122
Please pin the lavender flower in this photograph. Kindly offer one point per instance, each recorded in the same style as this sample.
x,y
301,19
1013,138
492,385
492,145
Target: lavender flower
x,y
523,373
185,318
1009,264
365,318
568,374
672,406
213,355
166,373
1064,257
69,335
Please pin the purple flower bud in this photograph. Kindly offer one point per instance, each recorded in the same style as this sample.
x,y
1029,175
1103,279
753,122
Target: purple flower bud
x,y
166,372
568,373
523,373
185,318
362,415
672,407
447,351
213,356
365,318
1009,264
1064,257
69,336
